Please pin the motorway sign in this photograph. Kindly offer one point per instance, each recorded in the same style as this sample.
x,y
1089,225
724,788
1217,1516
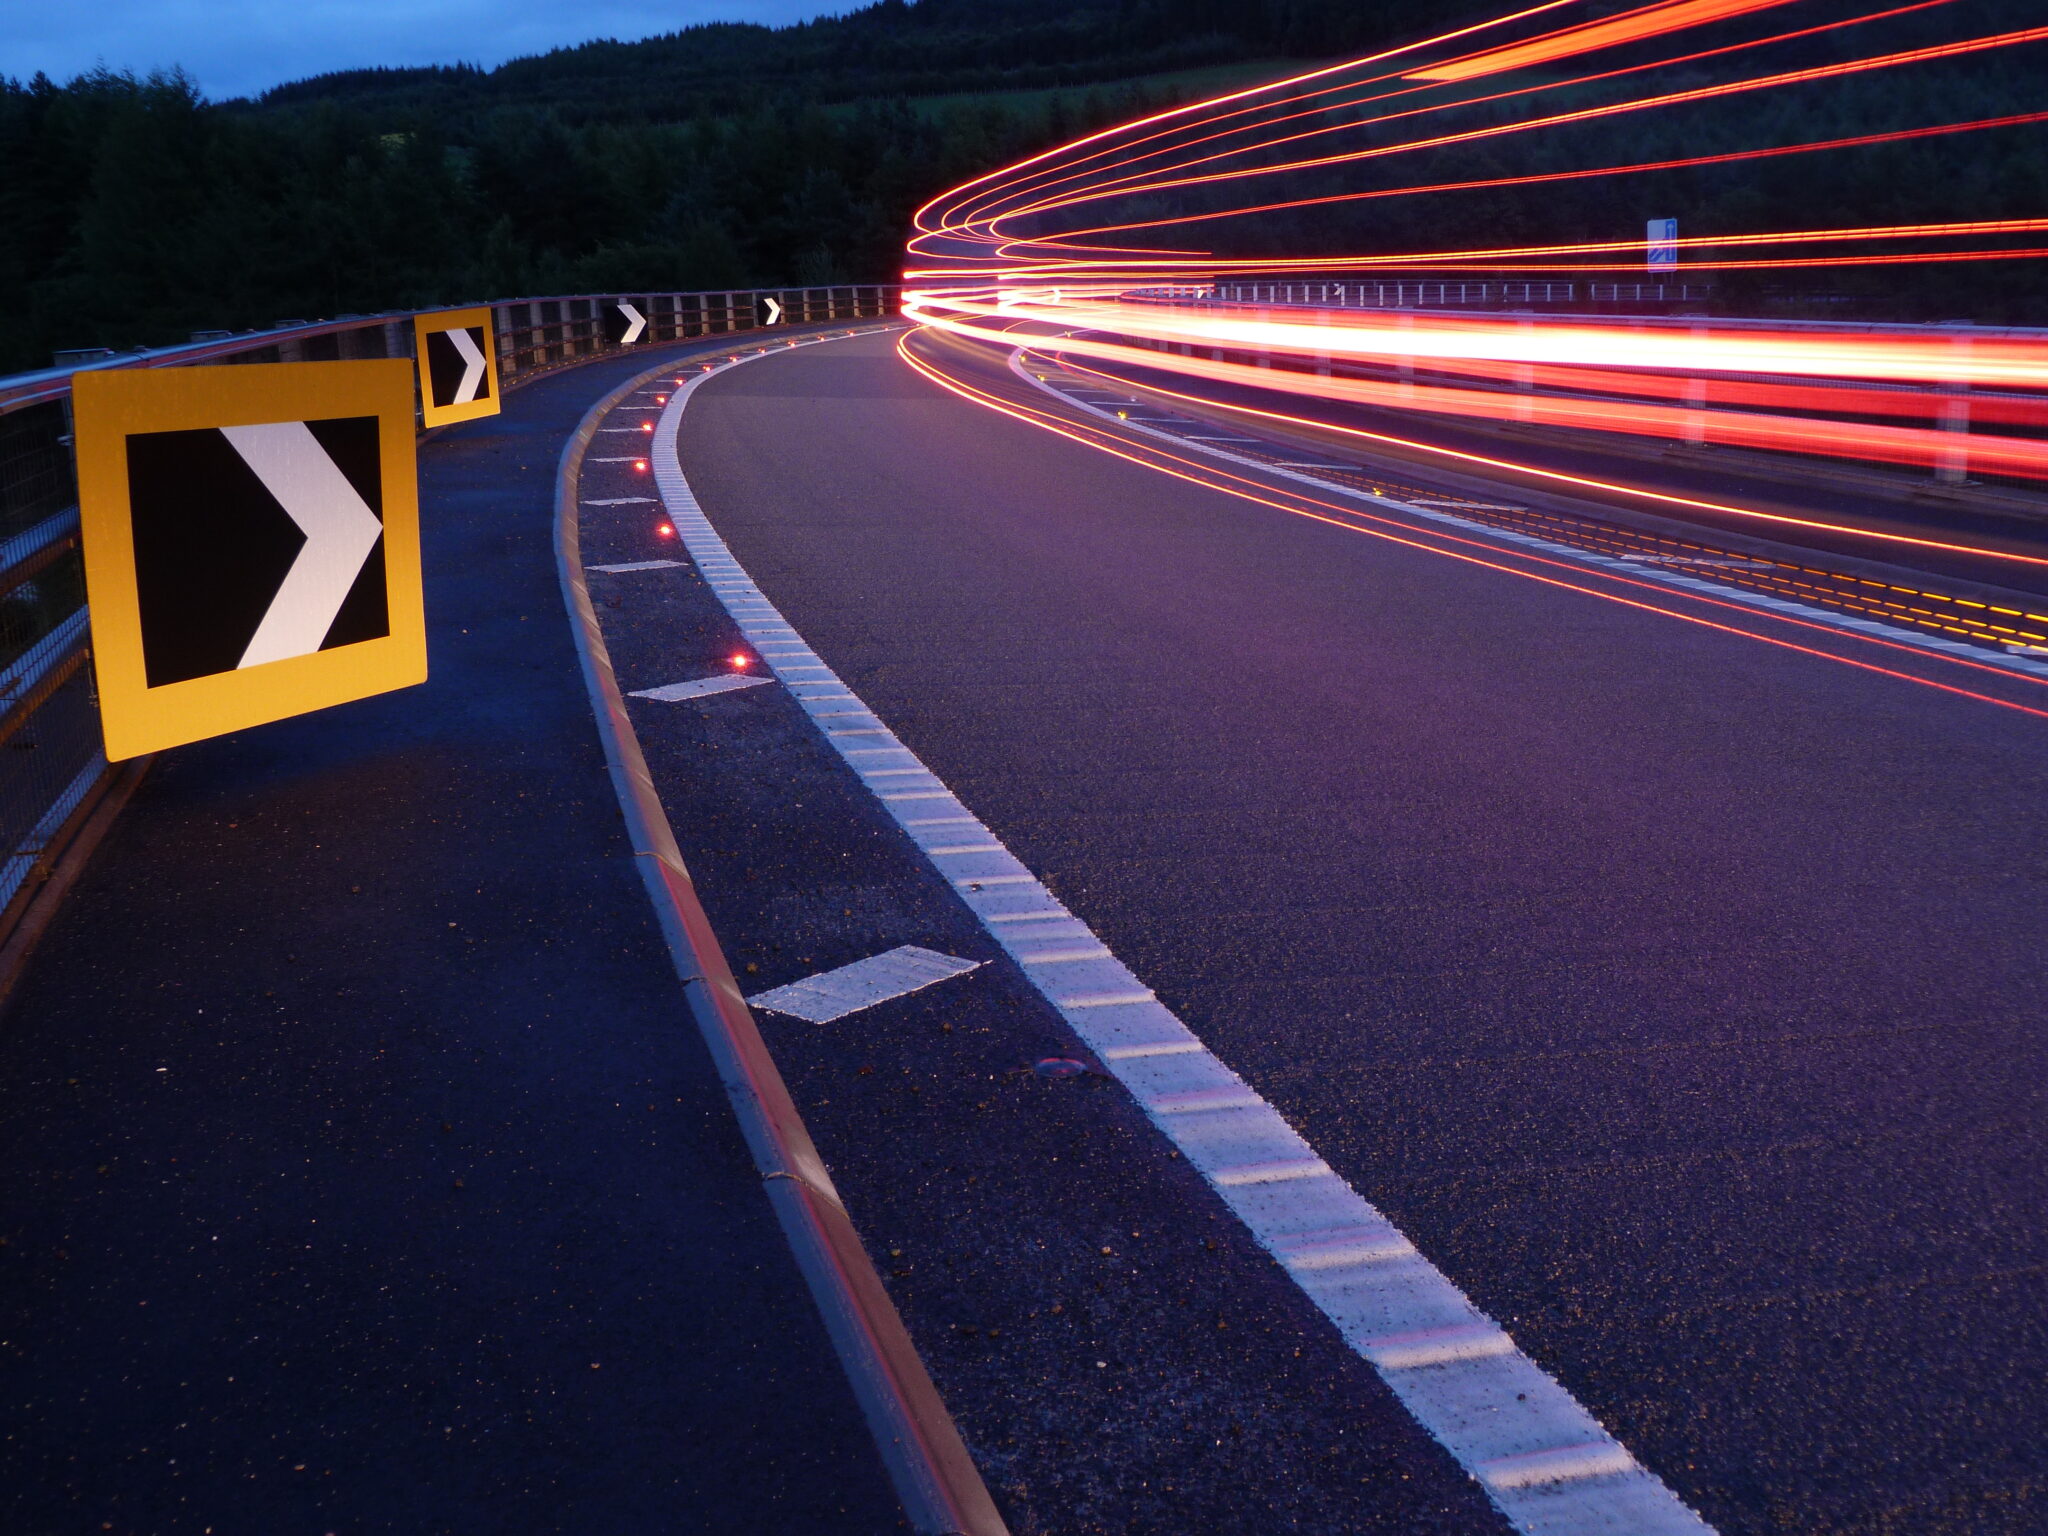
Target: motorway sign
x,y
251,543
458,358
624,323
1662,239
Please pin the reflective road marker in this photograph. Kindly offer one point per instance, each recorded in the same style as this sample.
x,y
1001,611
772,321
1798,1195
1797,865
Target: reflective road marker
x,y
1549,1466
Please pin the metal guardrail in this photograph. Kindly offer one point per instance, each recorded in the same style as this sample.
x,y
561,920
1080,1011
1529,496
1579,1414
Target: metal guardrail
x,y
1447,295
52,771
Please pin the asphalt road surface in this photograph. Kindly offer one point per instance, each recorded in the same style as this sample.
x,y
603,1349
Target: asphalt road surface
x,y
1678,993
364,1171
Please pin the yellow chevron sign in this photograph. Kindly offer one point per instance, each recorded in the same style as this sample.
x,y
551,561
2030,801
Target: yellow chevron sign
x,y
251,539
457,351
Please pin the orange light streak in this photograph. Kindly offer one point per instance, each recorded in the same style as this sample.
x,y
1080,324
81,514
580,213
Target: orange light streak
x,y
1559,477
1633,27
1346,520
979,209
1010,260
1860,141
1588,114
1102,136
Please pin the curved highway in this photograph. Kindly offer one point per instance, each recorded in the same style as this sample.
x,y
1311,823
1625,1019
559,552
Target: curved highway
x,y
1670,973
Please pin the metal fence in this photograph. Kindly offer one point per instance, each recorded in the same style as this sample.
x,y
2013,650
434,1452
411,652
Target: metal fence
x,y
1448,295
52,771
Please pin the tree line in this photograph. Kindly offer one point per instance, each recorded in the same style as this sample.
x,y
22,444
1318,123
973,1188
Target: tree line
x,y
133,211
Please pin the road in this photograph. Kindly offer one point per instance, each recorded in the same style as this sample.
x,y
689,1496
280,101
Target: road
x,y
365,1172
1676,992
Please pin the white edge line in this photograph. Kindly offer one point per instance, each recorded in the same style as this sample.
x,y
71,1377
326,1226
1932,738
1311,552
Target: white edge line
x,y
1546,1463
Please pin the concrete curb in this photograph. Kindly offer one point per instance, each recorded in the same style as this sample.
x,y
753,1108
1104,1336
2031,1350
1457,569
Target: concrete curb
x,y
941,1490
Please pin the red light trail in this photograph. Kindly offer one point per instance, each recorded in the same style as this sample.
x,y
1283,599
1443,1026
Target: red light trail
x,y
1025,255
1614,589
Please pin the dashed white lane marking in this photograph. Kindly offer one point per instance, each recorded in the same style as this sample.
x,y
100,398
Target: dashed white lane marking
x,y
700,687
880,978
1542,1458
1437,510
629,459
637,565
620,501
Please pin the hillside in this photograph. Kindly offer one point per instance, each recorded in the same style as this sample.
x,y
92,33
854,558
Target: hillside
x,y
135,211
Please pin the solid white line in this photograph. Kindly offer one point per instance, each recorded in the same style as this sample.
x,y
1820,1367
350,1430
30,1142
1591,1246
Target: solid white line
x,y
637,565
1455,1369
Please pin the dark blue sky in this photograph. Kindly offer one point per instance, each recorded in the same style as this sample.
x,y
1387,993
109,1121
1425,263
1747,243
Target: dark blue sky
x,y
239,47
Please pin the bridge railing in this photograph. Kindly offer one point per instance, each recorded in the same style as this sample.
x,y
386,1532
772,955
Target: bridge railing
x,y
52,772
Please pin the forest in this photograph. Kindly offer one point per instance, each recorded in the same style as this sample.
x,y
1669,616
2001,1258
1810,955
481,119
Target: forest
x,y
133,211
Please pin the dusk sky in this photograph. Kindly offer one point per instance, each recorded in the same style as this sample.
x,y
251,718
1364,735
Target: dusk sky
x,y
240,47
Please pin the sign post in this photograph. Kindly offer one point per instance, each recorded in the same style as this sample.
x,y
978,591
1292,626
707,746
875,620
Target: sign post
x,y
251,539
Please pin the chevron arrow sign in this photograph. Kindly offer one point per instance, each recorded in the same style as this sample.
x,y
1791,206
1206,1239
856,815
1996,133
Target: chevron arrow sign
x,y
458,365
251,543
624,323
774,310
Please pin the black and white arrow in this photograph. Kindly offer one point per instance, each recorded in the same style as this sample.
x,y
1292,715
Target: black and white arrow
x,y
457,369
472,366
340,529
635,324
774,310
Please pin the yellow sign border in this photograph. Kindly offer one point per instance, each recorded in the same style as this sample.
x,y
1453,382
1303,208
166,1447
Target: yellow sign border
x,y
432,415
108,406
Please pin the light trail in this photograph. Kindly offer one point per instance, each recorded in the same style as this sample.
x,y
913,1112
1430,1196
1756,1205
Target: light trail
x,y
1361,522
1024,256
1127,187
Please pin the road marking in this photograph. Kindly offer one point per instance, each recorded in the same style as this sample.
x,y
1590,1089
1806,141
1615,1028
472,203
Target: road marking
x,y
621,501
880,978
631,458
637,565
1485,1401
700,687
1746,565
